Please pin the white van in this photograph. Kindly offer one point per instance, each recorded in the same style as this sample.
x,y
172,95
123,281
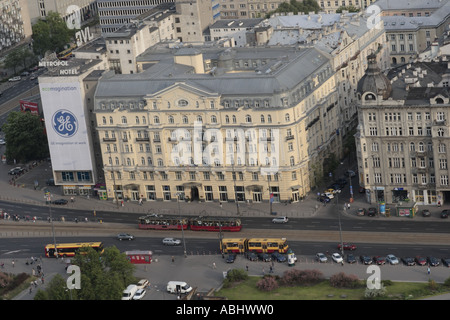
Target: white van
x,y
129,292
178,287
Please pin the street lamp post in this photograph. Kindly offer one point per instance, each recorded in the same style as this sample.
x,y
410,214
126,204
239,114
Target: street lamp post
x,y
178,195
49,200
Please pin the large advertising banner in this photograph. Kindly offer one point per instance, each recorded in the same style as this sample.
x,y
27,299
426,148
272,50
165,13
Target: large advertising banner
x,y
65,123
27,106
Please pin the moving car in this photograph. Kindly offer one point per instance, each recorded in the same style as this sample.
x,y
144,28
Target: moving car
x,y
324,199
347,246
444,214
408,261
321,257
361,212
231,258
14,79
392,259
276,256
171,242
337,258
125,236
351,258
140,293
60,201
366,260
178,287
143,283
280,220
379,260
350,173
432,261
327,194
421,261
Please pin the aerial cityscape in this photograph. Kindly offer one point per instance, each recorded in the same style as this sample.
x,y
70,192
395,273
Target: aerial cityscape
x,y
224,150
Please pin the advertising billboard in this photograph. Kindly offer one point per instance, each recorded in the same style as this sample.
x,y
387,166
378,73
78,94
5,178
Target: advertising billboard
x,y
66,127
27,106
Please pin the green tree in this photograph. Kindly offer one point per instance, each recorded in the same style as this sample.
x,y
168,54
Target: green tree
x,y
294,6
347,8
26,137
51,34
12,60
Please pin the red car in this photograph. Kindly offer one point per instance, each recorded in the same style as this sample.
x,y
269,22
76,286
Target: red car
x,y
347,246
421,261
379,260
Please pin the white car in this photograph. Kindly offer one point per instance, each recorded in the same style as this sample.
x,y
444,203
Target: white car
x,y
14,79
392,259
337,258
143,283
328,194
280,220
171,242
321,257
2,142
139,294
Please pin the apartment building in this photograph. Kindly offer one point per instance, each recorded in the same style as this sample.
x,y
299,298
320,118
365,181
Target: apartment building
x,y
38,9
218,124
15,27
239,30
330,6
402,139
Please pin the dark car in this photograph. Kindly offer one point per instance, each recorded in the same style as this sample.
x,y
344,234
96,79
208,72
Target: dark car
x,y
432,261
361,212
50,182
15,171
347,246
252,256
446,262
379,260
351,258
408,261
324,199
335,186
421,261
366,260
125,236
342,182
444,214
372,212
426,213
231,258
60,201
264,257
276,256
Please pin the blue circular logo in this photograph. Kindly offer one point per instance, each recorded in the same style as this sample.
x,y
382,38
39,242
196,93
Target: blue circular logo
x,y
65,123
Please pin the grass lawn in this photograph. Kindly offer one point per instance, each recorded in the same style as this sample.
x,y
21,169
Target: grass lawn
x,y
246,290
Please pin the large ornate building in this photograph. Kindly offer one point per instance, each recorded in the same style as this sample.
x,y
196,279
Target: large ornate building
x,y
218,124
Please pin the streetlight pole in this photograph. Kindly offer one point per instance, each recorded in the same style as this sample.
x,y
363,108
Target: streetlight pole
x,y
114,180
49,200
182,225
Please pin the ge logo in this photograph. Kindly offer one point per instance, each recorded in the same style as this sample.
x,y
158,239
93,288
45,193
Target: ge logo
x,y
65,123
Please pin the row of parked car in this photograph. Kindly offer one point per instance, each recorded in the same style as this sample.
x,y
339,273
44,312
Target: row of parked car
x,y
252,256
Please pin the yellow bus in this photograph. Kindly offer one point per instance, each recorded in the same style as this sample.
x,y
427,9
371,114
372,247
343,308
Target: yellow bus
x,y
265,245
70,249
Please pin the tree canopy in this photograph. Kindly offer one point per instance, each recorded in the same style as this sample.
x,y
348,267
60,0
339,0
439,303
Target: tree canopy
x,y
103,277
51,34
296,7
25,136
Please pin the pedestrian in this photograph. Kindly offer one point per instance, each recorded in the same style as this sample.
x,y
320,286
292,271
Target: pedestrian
x,y
345,206
348,206
173,259
264,271
122,203
429,270
42,279
246,267
214,265
140,201
271,269
13,263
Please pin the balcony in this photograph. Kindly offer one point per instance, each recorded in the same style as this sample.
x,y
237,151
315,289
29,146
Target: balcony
x,y
113,139
291,137
139,139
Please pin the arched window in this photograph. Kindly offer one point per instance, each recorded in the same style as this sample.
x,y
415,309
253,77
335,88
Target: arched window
x,y
104,120
199,119
292,160
421,147
185,119
149,161
116,160
160,162
144,120
227,119
263,120
412,146
269,118
111,120
143,161
124,120
170,119
248,118
213,119
234,119
287,118
156,119
440,132
137,120
128,162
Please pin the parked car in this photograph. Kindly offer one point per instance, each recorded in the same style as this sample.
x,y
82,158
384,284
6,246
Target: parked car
x,y
350,173
276,256
342,182
14,79
280,220
15,171
231,258
25,73
60,201
366,260
426,213
379,260
444,214
421,261
252,256
321,257
125,236
140,293
143,283
446,262
323,199
327,194
408,261
264,257
392,259
50,182
337,258
2,141
351,258
171,242
372,212
347,246
333,190
432,261
361,212
335,187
